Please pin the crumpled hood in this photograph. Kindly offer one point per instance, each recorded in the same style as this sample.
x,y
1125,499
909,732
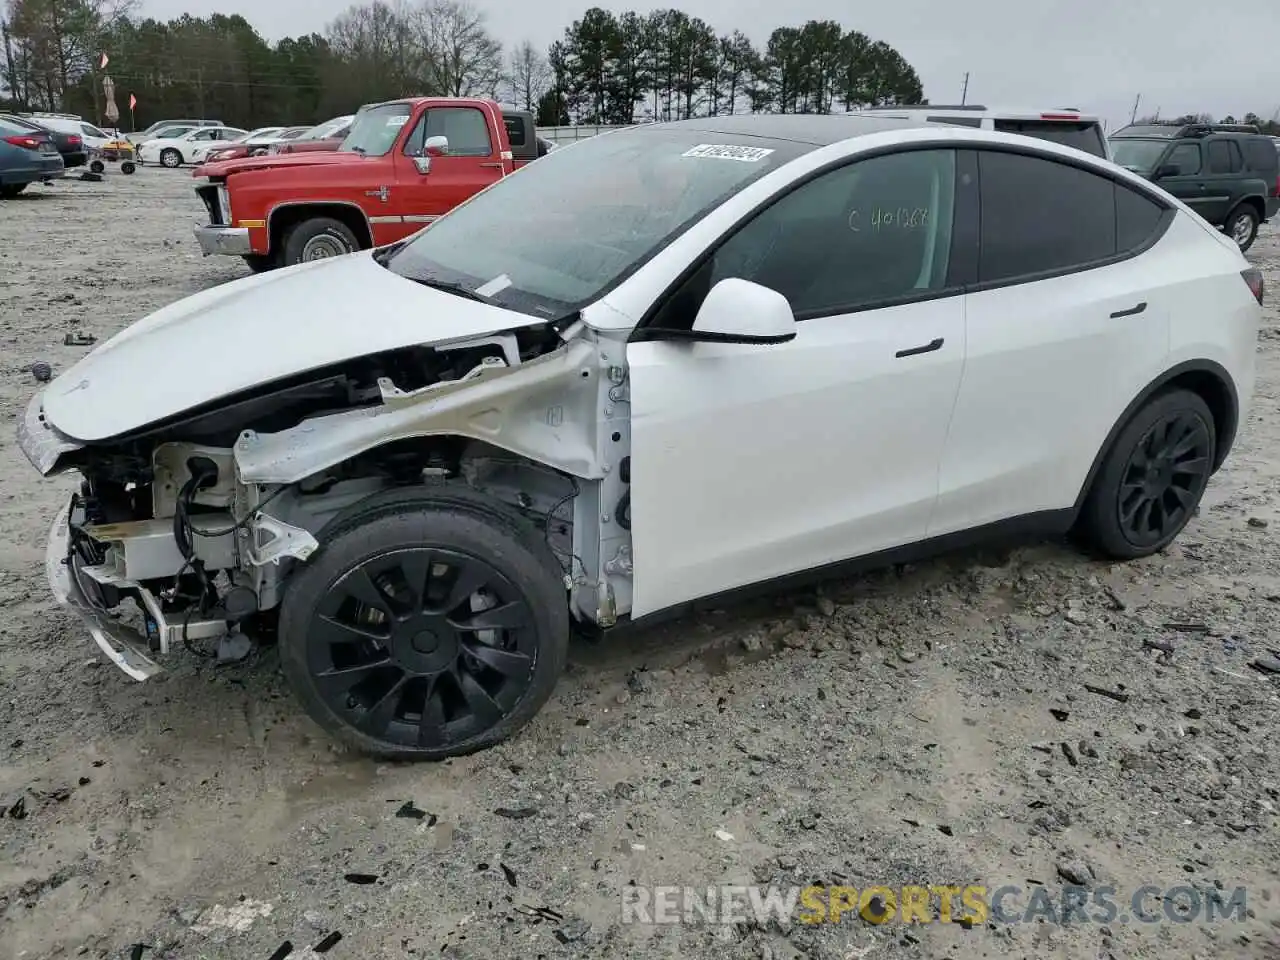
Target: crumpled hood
x,y
253,331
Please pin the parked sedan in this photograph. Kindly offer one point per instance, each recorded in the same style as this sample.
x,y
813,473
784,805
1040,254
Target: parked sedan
x,y
26,156
173,152
70,144
323,136
255,145
735,351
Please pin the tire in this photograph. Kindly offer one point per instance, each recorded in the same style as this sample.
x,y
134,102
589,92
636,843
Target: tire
x,y
317,239
260,262
1170,442
402,672
12,189
171,158
97,166
1242,226
127,168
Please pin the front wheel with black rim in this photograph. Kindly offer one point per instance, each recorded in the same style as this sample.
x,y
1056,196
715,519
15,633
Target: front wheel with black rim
x,y
1242,226
425,630
1151,480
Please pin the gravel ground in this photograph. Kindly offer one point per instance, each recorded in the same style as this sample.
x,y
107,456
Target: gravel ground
x,y
928,724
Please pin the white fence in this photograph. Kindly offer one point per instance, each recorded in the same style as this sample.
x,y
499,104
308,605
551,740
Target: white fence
x,y
577,132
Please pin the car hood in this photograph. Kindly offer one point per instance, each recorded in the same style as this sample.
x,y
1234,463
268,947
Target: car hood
x,y
224,168
255,331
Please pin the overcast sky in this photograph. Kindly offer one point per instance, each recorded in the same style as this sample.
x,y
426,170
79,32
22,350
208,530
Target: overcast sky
x,y
1220,56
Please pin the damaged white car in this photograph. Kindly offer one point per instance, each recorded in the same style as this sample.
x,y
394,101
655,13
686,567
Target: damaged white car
x,y
674,361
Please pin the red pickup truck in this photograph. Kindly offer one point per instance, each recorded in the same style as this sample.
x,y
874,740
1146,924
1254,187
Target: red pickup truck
x,y
405,163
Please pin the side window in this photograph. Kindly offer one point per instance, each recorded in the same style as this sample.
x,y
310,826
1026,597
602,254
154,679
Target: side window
x,y
466,128
876,230
1186,157
1224,157
1137,218
515,130
1041,216
1261,155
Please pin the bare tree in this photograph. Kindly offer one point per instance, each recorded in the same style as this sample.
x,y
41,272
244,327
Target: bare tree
x,y
463,58
528,76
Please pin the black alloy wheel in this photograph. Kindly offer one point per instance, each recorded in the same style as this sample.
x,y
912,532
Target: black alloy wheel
x,y
426,626
1164,478
423,647
1151,480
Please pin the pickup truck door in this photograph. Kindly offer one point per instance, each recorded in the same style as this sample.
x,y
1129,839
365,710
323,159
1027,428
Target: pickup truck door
x,y
475,160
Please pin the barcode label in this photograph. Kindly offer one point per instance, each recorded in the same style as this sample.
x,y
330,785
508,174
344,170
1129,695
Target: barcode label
x,y
725,151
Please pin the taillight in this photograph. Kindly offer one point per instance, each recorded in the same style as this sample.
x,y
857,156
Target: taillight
x,y
1253,280
1059,116
21,140
73,140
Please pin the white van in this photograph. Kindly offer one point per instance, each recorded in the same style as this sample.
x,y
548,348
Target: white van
x,y
1064,125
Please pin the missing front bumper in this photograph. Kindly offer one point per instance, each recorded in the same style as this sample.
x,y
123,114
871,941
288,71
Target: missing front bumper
x,y
122,644
128,648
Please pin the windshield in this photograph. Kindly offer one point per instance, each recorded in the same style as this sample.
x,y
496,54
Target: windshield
x,y
569,226
92,131
1140,156
374,131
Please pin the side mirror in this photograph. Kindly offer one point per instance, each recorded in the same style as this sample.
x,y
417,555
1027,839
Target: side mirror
x,y
437,147
739,311
1165,170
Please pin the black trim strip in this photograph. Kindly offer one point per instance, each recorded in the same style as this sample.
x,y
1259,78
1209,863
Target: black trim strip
x,y
709,336
932,345
1131,312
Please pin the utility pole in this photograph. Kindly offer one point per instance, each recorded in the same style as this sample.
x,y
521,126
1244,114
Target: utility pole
x,y
964,95
1133,118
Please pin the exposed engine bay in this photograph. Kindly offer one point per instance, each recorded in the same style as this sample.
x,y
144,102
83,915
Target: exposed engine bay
x,y
199,520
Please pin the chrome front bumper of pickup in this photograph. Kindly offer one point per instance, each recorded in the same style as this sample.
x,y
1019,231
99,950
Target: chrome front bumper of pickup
x,y
228,241
125,646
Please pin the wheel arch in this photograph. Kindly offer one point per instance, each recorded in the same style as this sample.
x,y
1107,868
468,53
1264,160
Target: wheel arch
x,y
1205,378
285,215
1254,201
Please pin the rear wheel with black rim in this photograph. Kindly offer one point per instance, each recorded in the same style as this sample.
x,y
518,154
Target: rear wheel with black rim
x,y
426,629
1151,481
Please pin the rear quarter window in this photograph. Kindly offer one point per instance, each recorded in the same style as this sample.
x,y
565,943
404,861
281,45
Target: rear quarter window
x,y
1086,136
1138,218
1261,156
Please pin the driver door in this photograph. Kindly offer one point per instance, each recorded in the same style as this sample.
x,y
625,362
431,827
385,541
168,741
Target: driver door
x,y
750,462
473,162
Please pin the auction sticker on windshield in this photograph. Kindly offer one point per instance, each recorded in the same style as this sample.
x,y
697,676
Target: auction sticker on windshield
x,y
397,121
725,151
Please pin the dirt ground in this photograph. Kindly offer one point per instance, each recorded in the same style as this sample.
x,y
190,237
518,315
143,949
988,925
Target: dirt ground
x,y
930,724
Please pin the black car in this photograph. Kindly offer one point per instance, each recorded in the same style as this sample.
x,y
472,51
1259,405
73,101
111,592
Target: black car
x,y
1227,173
69,145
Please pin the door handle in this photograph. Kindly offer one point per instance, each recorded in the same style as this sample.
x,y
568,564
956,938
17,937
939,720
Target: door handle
x,y
1131,312
929,347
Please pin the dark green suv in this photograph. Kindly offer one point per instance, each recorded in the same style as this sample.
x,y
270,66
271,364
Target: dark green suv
x,y
1227,173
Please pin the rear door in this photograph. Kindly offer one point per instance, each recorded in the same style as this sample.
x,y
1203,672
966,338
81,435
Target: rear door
x,y
1223,178
473,162
1066,324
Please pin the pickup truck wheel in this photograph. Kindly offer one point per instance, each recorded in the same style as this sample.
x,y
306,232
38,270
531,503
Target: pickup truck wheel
x,y
12,189
425,629
1242,226
170,158
318,239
